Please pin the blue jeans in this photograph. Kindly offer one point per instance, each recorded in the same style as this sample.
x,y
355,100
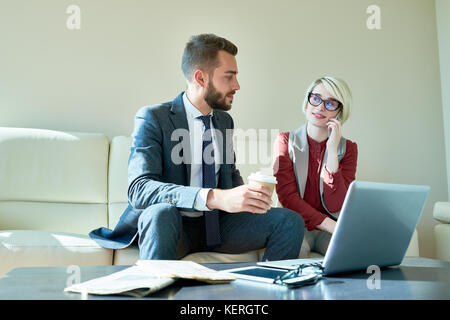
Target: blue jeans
x,y
165,234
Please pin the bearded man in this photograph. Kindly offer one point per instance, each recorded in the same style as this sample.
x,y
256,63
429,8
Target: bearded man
x,y
185,193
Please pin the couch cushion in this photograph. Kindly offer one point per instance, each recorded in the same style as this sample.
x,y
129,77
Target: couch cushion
x,y
53,166
127,256
218,257
119,153
130,255
118,169
62,217
20,248
115,211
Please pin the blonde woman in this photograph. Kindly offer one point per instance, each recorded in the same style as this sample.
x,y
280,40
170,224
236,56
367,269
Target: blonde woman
x,y
314,164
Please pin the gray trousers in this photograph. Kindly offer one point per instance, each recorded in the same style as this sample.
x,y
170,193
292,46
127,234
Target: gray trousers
x,y
165,234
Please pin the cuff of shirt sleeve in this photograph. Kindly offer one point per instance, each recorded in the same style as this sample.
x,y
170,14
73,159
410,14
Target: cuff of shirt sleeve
x,y
200,200
314,222
331,178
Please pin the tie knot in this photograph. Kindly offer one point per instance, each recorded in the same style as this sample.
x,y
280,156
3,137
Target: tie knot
x,y
205,120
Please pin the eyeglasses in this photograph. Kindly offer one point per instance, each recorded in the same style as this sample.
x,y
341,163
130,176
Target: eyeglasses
x,y
305,274
330,104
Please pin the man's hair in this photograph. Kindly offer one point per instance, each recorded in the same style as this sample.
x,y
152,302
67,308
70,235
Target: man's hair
x,y
201,53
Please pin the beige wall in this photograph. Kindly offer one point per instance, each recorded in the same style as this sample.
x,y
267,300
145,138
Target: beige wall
x,y
127,54
443,30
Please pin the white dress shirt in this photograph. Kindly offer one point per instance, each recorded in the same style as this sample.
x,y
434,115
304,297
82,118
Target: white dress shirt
x,y
196,130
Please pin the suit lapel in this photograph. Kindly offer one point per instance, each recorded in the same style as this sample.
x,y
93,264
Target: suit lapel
x,y
178,118
301,157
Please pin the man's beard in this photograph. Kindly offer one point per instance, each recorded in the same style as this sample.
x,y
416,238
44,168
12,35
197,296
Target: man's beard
x,y
215,100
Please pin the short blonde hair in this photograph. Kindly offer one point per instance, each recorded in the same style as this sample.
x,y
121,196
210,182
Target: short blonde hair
x,y
339,89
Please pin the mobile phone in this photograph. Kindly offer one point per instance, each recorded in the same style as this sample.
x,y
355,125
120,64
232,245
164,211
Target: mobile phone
x,y
338,116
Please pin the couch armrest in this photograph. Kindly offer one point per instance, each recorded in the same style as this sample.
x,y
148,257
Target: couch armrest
x,y
441,212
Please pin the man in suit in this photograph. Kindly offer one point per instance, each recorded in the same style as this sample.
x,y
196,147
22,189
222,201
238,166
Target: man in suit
x,y
185,193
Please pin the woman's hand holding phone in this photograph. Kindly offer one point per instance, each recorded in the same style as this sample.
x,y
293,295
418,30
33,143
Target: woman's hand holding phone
x,y
334,136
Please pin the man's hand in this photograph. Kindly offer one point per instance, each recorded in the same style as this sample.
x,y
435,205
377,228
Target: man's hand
x,y
245,198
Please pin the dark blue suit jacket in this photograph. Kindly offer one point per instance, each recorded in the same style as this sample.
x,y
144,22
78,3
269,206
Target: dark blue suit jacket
x,y
159,167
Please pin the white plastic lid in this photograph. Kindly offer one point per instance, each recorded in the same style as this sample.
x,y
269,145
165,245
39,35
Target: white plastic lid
x,y
258,176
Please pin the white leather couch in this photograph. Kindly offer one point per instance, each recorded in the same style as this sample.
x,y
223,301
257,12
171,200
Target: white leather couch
x,y
441,213
55,187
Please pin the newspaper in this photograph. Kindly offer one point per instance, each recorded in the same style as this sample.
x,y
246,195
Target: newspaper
x,y
148,276
185,270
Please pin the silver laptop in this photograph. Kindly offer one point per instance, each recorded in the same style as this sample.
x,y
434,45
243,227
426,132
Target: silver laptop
x,y
375,226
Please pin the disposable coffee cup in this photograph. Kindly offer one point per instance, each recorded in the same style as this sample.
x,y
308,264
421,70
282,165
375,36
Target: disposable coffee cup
x,y
259,178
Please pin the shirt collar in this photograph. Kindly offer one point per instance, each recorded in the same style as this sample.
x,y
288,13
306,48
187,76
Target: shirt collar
x,y
192,111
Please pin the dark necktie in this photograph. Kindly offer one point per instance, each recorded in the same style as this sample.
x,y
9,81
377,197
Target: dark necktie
x,y
209,181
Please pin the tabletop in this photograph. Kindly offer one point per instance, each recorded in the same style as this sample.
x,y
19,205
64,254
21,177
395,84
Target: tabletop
x,y
415,278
